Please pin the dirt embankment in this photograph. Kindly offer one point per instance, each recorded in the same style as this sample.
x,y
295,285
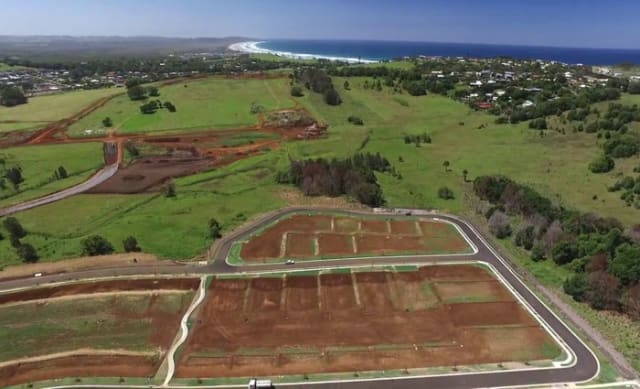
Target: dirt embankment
x,y
100,287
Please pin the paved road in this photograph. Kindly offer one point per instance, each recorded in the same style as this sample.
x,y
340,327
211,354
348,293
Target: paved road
x,y
584,368
101,176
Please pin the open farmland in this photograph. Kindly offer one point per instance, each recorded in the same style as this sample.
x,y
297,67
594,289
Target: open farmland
x,y
43,110
360,321
326,236
112,328
212,103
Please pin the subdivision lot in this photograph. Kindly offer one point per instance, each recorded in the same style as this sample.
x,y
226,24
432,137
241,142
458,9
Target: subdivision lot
x,y
359,321
114,328
341,236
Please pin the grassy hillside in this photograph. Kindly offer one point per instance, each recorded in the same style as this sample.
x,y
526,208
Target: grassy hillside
x,y
555,164
208,104
50,108
38,164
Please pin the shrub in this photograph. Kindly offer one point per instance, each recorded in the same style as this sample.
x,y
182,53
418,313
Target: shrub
x,y
564,252
602,164
214,229
96,245
576,286
130,245
169,189
445,193
537,253
296,91
355,120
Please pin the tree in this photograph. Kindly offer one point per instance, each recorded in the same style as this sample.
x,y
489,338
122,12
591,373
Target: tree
x,y
525,237
631,301
634,88
14,175
445,193
626,263
12,96
169,189
27,253
602,291
602,164
564,252
130,245
446,165
153,91
137,92
499,225
107,122
296,91
538,253
62,172
96,245
332,97
576,286
169,106
14,227
214,229
465,173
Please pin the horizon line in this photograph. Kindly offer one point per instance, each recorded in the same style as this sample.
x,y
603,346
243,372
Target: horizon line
x,y
252,39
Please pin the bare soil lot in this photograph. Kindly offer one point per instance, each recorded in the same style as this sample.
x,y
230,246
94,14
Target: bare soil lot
x,y
339,236
79,331
355,322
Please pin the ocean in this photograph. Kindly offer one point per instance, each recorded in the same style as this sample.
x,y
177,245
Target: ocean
x,y
366,51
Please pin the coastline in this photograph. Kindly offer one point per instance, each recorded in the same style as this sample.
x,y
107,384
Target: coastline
x,y
252,47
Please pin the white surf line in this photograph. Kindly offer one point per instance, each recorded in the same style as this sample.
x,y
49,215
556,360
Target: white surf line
x,y
252,47
184,331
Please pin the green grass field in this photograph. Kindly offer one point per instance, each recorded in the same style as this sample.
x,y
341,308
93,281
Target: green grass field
x,y
11,68
38,164
176,228
121,322
41,110
214,103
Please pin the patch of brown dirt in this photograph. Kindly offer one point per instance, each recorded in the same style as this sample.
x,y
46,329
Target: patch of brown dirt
x,y
321,328
79,366
100,287
148,174
299,245
335,244
375,226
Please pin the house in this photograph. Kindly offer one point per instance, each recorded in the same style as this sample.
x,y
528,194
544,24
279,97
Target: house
x,y
485,105
527,103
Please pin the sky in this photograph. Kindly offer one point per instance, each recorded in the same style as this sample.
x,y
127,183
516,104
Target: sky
x,y
566,23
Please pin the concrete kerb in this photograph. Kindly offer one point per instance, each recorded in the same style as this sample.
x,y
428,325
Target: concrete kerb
x,y
244,233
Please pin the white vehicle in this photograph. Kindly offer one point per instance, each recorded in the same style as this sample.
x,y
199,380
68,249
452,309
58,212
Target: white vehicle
x,y
37,275
260,384
290,262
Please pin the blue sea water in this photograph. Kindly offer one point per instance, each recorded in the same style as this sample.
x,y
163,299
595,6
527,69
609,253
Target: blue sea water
x,y
381,50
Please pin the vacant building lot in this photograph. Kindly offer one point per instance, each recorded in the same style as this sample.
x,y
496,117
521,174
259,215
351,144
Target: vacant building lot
x,y
109,329
326,236
360,321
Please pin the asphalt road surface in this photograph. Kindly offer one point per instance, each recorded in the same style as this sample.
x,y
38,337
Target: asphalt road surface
x,y
584,368
101,176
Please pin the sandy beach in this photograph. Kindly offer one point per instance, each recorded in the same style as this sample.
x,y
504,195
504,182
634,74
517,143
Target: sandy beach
x,y
254,48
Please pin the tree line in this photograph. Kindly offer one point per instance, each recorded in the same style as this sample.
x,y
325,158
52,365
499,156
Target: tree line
x,y
354,176
604,260
317,80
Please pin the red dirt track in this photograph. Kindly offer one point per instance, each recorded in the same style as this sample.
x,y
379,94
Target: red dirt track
x,y
347,236
352,322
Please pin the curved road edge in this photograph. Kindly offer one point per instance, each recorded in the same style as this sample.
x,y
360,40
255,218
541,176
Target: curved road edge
x,y
99,177
585,368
